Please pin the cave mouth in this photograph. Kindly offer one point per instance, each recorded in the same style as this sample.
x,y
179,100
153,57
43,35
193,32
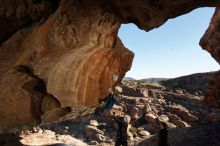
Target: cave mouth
x,y
171,50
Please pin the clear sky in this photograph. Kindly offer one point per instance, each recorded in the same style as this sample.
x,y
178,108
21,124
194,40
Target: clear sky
x,y
171,50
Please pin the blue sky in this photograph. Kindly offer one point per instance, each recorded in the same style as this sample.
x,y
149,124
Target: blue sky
x,y
171,50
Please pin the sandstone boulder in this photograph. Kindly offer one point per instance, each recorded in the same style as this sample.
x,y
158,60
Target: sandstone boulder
x,y
149,117
115,111
136,113
92,130
135,92
172,117
144,133
93,123
151,127
147,108
170,125
118,89
183,113
181,124
163,118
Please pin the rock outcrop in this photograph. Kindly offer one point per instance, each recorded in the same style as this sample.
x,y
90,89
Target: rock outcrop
x,y
72,46
210,42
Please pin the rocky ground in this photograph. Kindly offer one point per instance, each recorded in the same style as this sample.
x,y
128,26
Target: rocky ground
x,y
140,102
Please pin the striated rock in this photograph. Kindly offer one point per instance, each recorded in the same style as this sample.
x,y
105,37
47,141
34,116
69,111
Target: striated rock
x,y
183,113
76,55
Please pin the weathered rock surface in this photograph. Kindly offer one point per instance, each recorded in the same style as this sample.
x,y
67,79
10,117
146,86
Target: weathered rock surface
x,y
210,42
76,55
72,46
202,135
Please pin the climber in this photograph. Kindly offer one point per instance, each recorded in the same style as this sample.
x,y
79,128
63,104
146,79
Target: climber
x,y
163,134
108,102
122,136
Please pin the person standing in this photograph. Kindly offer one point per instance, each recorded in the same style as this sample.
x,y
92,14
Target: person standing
x,y
122,136
163,134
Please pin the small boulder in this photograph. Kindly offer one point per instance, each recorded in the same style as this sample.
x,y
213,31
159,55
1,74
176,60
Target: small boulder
x,y
136,113
94,142
149,117
144,133
92,130
170,125
172,117
99,137
144,100
181,124
163,118
118,89
115,109
93,123
151,127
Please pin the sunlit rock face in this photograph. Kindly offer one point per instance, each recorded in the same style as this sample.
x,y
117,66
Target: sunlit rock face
x,y
211,42
71,49
75,52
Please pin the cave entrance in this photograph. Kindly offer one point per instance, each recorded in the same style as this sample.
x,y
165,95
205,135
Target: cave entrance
x,y
172,50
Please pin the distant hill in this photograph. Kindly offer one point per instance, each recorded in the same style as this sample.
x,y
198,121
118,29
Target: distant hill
x,y
191,83
154,80
128,79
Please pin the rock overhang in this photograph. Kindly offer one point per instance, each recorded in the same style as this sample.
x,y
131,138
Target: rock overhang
x,y
72,46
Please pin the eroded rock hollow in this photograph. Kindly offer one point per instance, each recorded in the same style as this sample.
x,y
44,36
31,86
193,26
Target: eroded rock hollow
x,y
59,55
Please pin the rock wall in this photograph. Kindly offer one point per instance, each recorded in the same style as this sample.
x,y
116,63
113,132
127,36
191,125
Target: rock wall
x,y
71,47
210,42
